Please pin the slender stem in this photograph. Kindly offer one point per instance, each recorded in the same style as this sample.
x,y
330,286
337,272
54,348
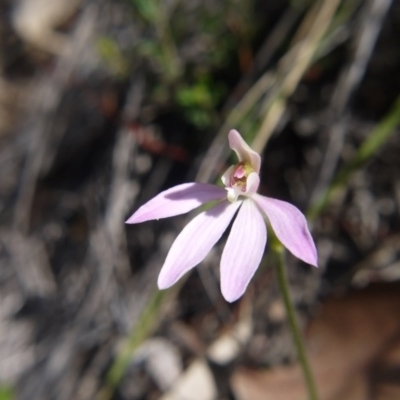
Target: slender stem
x,y
139,333
375,140
293,321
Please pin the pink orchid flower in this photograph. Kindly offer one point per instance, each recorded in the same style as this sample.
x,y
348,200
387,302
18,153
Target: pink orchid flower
x,y
246,242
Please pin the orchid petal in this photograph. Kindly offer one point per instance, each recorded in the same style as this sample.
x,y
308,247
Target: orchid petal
x,y
195,241
290,227
243,251
243,150
252,183
227,176
177,200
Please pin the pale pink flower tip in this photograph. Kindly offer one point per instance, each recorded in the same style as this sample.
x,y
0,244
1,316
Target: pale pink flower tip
x,y
246,242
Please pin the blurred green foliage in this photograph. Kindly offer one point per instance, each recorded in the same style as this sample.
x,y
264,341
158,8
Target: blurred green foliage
x,y
148,9
6,393
198,101
111,54
185,45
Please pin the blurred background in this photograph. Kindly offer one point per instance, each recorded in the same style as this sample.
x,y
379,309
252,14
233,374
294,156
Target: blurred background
x,y
104,103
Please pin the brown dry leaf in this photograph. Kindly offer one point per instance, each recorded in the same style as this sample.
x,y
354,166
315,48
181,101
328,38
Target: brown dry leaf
x,y
345,342
388,392
388,373
392,355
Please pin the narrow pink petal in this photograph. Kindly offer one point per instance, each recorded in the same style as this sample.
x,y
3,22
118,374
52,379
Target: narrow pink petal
x,y
290,226
177,200
243,150
195,241
243,251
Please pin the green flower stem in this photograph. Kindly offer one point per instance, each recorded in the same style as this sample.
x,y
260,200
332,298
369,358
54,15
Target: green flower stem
x,y
138,335
377,138
293,321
